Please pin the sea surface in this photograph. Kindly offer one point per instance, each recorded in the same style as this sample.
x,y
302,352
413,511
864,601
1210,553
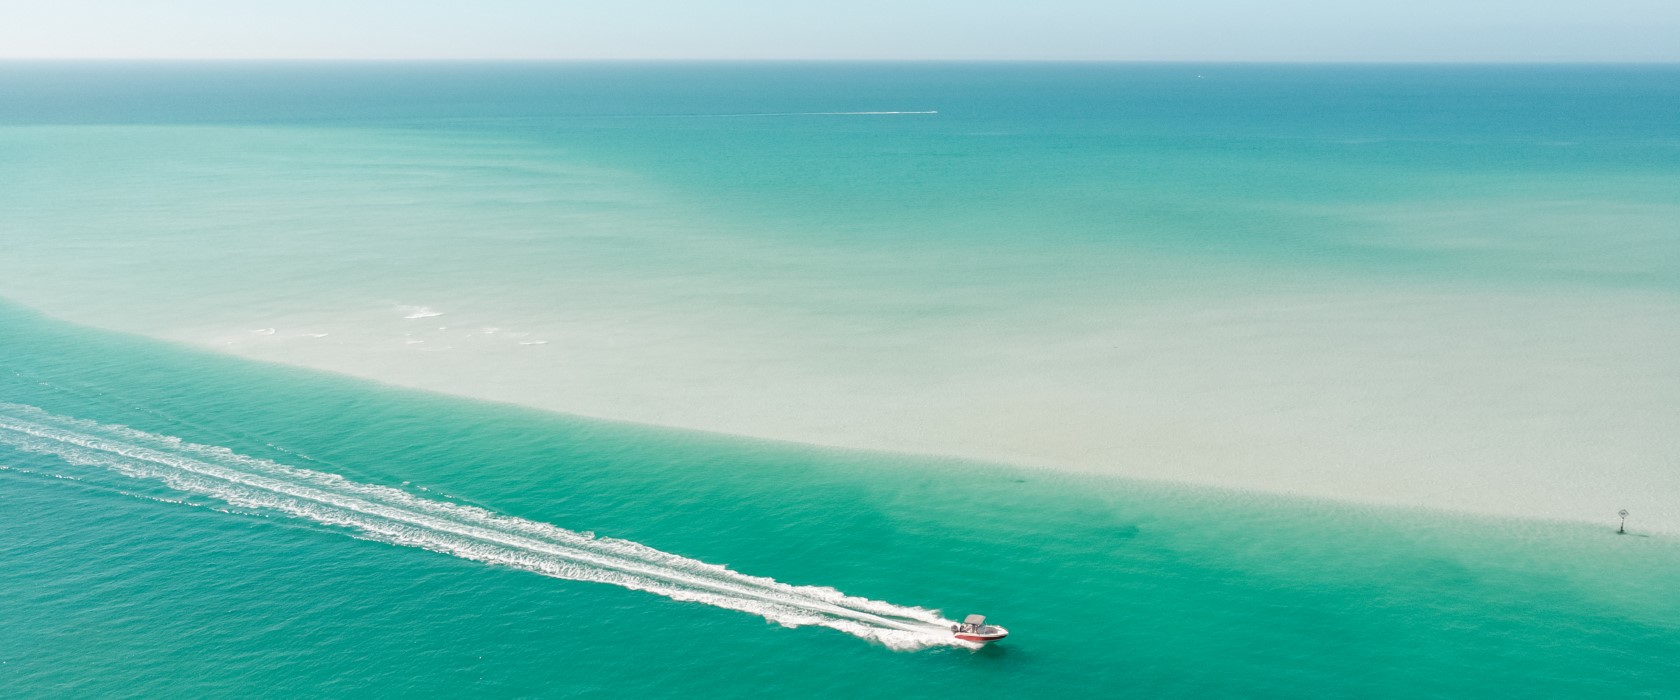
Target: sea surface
x,y
734,380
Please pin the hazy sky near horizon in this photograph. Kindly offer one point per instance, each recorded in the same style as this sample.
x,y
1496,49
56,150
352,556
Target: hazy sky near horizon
x,y
1210,30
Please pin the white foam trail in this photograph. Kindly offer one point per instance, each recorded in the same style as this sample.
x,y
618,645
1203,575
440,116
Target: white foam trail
x,y
398,517
818,114
414,312
847,114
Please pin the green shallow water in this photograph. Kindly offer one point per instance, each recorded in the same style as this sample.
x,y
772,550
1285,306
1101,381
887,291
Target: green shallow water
x,y
1110,587
1451,285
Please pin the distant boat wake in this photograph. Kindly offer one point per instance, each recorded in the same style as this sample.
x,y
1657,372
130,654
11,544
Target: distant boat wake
x,y
819,114
390,515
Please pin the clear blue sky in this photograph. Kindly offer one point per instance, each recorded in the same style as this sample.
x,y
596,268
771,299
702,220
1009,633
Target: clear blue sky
x,y
1213,30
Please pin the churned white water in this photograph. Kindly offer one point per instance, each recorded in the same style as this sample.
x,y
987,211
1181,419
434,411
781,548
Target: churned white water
x,y
394,516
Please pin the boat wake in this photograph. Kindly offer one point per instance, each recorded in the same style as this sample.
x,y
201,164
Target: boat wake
x,y
822,114
397,517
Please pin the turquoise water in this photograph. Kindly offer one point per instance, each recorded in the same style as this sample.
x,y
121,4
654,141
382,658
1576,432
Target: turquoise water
x,y
1269,339
1448,287
126,586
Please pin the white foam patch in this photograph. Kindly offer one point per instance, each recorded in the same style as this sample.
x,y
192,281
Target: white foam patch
x,y
397,517
878,113
416,312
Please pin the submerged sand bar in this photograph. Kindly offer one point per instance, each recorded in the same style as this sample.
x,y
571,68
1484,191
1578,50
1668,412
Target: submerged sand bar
x,y
1339,302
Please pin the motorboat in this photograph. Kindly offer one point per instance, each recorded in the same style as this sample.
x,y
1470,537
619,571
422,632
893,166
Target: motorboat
x,y
975,629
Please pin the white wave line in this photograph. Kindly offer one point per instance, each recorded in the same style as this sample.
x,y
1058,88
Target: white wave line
x,y
397,517
821,114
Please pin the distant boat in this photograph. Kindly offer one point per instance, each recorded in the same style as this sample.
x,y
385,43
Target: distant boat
x,y
975,629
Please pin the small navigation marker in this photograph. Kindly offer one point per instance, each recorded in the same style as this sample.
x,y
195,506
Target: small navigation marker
x,y
1623,529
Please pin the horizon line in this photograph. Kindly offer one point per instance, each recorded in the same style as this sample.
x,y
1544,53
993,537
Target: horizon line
x,y
1088,61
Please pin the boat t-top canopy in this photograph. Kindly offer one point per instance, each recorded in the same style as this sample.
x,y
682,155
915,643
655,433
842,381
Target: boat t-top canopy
x,y
975,620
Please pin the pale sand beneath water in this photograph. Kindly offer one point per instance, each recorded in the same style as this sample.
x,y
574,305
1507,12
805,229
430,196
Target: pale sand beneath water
x,y
1537,407
1511,352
